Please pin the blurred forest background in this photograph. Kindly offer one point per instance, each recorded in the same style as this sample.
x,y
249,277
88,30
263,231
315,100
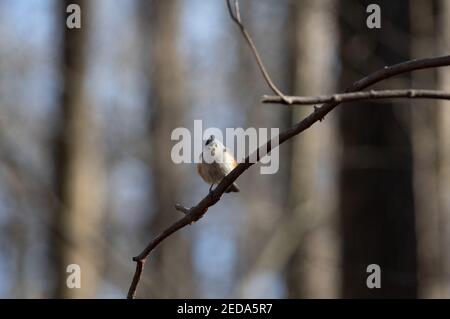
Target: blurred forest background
x,y
86,175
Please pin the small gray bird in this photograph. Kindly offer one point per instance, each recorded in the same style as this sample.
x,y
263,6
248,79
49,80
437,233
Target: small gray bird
x,y
216,162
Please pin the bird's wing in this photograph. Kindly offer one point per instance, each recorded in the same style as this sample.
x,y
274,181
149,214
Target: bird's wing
x,y
229,161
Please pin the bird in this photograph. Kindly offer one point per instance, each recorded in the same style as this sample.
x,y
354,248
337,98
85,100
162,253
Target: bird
x,y
216,162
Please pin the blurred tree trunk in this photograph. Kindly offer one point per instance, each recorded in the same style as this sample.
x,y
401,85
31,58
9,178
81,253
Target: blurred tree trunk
x,y
262,257
312,269
443,125
171,269
78,169
376,188
17,231
425,147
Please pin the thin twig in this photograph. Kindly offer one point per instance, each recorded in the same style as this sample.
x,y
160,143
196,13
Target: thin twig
x,y
236,17
362,95
196,212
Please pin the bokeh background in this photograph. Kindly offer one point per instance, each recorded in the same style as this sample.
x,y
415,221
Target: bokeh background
x,y
86,175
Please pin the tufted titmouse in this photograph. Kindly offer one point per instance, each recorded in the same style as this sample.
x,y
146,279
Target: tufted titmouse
x,y
216,161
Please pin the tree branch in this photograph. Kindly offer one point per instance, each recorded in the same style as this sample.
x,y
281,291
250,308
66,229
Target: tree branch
x,y
356,96
236,17
194,213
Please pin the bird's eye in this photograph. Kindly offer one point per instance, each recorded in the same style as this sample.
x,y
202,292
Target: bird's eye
x,y
210,139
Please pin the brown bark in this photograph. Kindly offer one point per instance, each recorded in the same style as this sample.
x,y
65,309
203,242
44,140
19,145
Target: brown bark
x,y
78,169
443,161
376,188
425,146
312,270
265,204
170,270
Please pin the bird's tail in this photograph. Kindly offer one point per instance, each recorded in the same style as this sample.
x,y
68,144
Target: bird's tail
x,y
232,188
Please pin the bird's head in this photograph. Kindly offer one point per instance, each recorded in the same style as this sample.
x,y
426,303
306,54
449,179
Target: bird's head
x,y
210,140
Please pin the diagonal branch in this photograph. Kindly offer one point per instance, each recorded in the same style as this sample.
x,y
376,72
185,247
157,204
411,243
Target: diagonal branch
x,y
362,95
196,212
236,17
